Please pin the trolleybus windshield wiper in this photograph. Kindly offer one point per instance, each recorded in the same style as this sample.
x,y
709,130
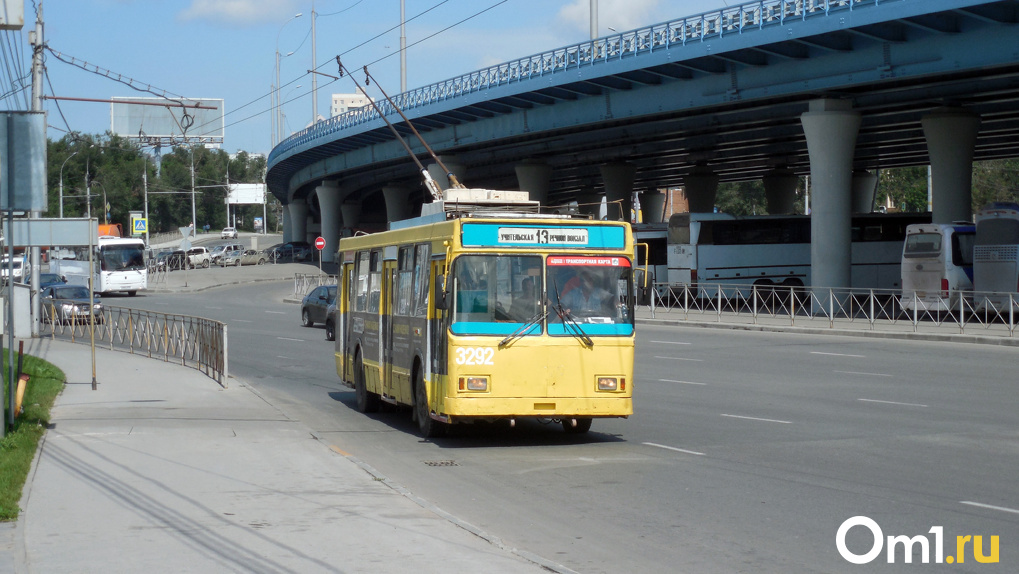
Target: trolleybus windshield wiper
x,y
538,317
568,322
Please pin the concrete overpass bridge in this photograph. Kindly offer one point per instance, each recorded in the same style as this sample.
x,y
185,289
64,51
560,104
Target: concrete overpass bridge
x,y
772,90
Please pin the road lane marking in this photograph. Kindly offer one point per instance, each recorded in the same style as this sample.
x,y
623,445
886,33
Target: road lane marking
x,y
892,403
207,307
757,419
671,343
338,450
276,312
681,382
289,339
679,359
989,506
242,321
674,448
838,354
864,374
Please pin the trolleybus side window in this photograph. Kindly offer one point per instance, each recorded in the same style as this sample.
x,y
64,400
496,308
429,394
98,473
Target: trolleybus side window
x,y
405,280
362,273
422,254
375,281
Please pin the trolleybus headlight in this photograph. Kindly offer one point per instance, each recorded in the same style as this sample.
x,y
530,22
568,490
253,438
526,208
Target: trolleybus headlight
x,y
474,383
608,384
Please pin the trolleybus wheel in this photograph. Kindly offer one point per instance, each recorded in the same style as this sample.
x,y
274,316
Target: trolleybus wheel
x,y
429,427
583,425
366,402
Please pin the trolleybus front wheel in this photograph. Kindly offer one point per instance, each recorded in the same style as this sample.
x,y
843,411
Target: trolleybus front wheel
x,y
426,424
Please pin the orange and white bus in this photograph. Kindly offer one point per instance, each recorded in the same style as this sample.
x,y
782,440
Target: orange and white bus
x,y
489,315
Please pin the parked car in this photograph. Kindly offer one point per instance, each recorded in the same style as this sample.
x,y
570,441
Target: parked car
x,y
47,279
238,257
331,322
199,257
69,303
315,304
21,269
170,260
219,250
229,233
294,251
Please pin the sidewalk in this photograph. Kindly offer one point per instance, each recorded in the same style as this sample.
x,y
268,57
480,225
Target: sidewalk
x,y
161,469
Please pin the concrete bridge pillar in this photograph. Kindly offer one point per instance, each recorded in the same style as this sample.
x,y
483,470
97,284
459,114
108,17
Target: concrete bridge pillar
x,y
287,226
535,178
451,163
780,191
398,204
700,187
618,180
298,220
831,127
330,193
351,211
951,136
652,205
864,189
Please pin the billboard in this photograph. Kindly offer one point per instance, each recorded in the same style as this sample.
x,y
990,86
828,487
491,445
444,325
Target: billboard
x,y
246,193
162,121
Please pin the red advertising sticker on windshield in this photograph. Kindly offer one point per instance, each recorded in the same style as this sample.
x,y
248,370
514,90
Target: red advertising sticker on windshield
x,y
588,261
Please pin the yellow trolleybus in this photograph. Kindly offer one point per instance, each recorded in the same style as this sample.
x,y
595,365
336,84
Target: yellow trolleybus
x,y
490,315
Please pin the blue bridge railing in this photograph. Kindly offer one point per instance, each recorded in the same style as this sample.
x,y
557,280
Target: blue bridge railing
x,y
667,35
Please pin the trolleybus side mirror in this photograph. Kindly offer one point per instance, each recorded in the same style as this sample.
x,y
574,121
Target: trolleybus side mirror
x,y
440,293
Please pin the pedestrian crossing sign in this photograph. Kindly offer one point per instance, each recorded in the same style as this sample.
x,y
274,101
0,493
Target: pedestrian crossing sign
x,y
139,225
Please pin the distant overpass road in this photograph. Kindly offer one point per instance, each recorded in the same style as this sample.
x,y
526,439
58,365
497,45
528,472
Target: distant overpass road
x,y
746,451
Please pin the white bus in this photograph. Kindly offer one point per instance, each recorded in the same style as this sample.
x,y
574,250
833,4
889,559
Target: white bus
x,y
996,256
119,266
937,265
709,249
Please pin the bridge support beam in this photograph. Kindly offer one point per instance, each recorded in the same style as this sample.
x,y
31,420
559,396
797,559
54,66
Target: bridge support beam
x,y
951,136
700,187
652,206
831,127
440,177
329,196
535,178
780,191
864,189
397,202
618,180
298,209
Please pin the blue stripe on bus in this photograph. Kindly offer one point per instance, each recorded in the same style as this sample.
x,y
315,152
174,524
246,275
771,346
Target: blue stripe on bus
x,y
619,329
598,236
479,328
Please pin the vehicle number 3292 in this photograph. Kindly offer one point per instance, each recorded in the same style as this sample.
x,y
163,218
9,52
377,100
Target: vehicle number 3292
x,y
475,355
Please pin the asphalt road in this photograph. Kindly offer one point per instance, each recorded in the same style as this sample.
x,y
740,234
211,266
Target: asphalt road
x,y
746,452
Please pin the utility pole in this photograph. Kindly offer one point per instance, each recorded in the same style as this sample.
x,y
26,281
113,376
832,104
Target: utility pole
x,y
314,76
145,187
37,41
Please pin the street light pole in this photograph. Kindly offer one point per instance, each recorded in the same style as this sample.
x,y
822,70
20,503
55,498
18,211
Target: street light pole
x,y
62,184
106,211
279,128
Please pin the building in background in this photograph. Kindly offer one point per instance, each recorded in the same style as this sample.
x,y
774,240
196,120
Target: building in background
x,y
343,103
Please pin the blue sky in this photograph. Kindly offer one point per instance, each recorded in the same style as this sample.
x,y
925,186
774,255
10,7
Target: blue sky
x,y
226,49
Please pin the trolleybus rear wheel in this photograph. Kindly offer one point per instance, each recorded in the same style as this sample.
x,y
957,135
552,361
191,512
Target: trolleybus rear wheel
x,y
367,402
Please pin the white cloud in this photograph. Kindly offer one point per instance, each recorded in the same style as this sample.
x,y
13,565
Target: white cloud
x,y
629,14
241,12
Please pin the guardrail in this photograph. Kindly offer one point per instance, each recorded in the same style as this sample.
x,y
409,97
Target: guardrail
x,y
981,313
305,282
664,36
192,341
